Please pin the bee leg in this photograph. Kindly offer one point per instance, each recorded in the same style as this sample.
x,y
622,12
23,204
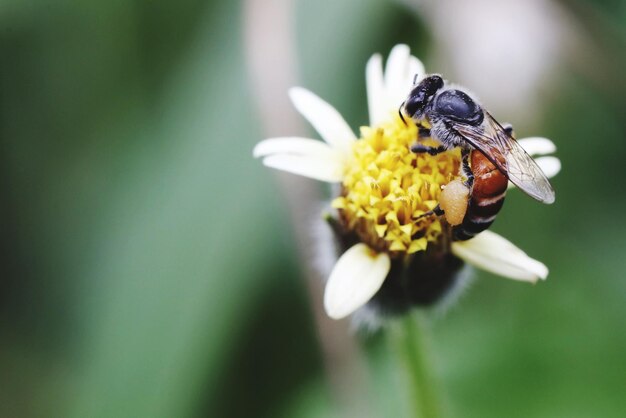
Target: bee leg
x,y
436,211
467,170
423,133
421,148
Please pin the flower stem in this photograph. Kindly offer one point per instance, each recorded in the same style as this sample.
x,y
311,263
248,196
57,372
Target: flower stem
x,y
408,338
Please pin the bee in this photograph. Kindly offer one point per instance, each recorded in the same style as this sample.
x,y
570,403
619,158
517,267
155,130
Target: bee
x,y
489,153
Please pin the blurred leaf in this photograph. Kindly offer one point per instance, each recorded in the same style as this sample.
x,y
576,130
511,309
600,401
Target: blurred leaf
x,y
178,260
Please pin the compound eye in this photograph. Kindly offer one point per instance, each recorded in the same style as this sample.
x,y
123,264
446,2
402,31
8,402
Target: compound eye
x,y
421,94
414,104
458,106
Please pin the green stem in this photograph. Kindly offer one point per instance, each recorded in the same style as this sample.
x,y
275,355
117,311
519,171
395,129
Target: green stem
x,y
411,345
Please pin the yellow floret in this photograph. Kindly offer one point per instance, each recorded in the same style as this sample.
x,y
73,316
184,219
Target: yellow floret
x,y
386,187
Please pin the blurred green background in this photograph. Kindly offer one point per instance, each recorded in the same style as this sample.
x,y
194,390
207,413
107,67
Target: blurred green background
x,y
148,262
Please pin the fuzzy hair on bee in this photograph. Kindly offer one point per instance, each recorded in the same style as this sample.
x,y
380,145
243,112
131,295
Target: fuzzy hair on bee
x,y
490,154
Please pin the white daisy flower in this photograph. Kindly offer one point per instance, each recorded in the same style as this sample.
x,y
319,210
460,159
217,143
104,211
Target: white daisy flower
x,y
385,188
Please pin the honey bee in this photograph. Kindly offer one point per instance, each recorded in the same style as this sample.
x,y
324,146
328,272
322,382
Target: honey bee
x,y
490,155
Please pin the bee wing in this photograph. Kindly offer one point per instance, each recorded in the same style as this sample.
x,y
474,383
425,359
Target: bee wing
x,y
509,156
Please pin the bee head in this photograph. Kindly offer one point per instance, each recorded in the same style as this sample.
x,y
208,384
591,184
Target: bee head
x,y
421,95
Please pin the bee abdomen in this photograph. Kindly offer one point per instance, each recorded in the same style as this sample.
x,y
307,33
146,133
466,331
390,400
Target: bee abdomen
x,y
477,219
487,198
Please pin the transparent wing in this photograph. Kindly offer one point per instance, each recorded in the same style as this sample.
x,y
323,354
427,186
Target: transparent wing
x,y
509,156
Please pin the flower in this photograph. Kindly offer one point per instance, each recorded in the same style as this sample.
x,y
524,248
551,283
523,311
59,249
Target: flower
x,y
384,189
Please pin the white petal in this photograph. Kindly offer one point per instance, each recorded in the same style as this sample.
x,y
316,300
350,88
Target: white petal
x,y
397,68
396,83
491,252
375,89
537,145
323,169
325,119
294,145
550,165
416,68
356,277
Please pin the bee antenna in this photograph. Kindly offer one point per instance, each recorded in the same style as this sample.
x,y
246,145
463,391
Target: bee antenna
x,y
401,115
415,78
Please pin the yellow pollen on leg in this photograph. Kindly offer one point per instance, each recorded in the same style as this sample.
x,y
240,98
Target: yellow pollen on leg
x,y
386,187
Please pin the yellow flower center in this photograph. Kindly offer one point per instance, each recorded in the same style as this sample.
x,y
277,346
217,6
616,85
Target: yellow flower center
x,y
386,187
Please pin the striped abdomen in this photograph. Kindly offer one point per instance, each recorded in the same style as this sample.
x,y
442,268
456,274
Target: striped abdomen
x,y
486,198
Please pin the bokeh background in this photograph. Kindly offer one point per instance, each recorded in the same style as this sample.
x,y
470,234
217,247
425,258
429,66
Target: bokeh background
x,y
151,268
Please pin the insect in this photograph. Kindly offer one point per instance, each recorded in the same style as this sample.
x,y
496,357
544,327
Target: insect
x,y
490,155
